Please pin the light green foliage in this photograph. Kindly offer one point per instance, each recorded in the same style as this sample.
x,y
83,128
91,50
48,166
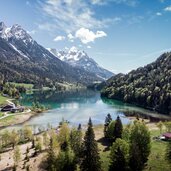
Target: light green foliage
x,y
126,133
46,139
37,107
160,126
27,133
119,155
16,155
38,145
168,126
14,138
76,142
63,135
110,130
3,100
139,146
66,161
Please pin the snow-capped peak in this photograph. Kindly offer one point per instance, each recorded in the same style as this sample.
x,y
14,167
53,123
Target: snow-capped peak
x,y
78,58
16,31
3,30
73,49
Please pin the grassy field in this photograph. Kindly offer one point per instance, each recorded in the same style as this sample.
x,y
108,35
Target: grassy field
x,y
7,121
3,100
27,86
156,162
1,114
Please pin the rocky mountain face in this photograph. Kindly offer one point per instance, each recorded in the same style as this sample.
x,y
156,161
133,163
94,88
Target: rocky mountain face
x,y
80,59
22,59
148,87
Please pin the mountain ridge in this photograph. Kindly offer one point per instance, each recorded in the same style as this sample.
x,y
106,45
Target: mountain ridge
x,y
32,63
80,59
148,86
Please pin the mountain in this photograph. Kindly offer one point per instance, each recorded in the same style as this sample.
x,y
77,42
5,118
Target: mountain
x,y
148,87
22,59
80,59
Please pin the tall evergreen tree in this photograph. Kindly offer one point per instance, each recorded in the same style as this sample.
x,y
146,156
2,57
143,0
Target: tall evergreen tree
x,y
107,122
76,142
90,158
119,156
139,146
118,128
51,158
79,127
66,160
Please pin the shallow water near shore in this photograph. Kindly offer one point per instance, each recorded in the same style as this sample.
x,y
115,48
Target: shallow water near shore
x,y
76,106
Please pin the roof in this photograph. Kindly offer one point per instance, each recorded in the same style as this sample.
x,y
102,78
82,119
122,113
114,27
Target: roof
x,y
167,135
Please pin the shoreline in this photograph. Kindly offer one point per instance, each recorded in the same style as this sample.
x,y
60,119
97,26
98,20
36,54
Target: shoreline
x,y
21,118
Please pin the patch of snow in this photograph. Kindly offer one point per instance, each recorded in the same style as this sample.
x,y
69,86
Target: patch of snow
x,y
21,53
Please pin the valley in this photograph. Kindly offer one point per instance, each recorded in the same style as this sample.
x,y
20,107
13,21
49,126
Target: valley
x,y
85,85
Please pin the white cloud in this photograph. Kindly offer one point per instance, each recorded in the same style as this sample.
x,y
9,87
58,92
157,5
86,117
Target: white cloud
x,y
98,2
47,26
158,13
70,37
125,2
70,15
86,35
88,47
59,38
168,8
31,32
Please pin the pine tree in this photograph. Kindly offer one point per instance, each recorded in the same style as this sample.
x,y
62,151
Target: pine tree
x,y
16,156
90,158
107,122
79,127
76,142
66,160
119,156
52,153
118,128
139,146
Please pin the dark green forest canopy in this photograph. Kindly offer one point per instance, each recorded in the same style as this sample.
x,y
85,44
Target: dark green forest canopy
x,y
148,87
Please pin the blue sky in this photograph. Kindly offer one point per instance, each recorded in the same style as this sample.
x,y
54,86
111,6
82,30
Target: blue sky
x,y
120,35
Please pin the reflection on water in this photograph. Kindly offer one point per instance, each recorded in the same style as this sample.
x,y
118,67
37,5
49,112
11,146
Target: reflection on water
x,y
76,106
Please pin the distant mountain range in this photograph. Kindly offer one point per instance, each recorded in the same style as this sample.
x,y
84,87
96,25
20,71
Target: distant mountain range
x,y
80,59
148,87
22,59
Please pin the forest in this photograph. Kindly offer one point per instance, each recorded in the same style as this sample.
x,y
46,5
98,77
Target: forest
x,y
148,87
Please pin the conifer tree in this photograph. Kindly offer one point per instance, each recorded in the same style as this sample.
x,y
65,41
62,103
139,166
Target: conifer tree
x,y
139,146
107,122
119,156
79,127
118,128
76,142
90,158
53,151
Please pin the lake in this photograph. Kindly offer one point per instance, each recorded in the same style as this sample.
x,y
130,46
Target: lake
x,y
76,106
